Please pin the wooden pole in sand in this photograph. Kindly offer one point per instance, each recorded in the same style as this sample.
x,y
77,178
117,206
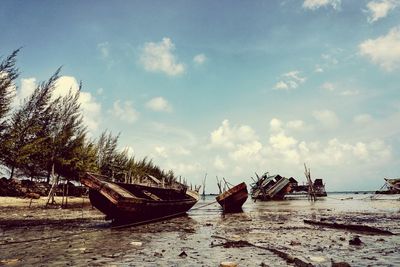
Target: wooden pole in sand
x,y
53,187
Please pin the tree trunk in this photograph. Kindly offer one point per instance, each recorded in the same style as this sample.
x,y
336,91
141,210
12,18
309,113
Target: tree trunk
x,y
48,176
12,172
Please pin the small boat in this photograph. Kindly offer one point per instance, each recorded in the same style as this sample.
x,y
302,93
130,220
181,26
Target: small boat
x,y
296,190
233,199
123,202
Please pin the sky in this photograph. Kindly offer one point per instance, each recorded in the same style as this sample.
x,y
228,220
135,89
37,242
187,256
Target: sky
x,y
226,88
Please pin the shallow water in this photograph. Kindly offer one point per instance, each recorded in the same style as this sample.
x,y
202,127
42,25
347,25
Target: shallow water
x,y
82,238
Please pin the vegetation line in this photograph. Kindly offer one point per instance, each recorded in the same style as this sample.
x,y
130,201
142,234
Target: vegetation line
x,y
47,131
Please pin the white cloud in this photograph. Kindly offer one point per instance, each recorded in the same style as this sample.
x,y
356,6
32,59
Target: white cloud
x,y
199,59
91,109
159,104
337,152
281,85
219,163
384,50
129,151
28,85
284,152
290,80
275,125
295,125
327,118
161,151
247,151
125,112
159,57
226,136
380,9
186,169
281,141
315,4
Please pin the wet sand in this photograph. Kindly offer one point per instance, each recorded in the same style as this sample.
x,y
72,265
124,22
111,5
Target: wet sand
x,y
78,236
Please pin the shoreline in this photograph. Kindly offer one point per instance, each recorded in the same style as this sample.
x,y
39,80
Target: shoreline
x,y
79,236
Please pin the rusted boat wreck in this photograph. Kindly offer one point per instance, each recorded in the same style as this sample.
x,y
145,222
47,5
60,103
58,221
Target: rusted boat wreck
x,y
233,199
123,202
391,187
270,187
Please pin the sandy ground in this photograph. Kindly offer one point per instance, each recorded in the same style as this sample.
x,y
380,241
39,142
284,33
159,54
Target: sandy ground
x,y
78,236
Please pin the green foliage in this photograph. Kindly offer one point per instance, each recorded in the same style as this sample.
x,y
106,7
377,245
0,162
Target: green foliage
x,y
8,75
21,138
46,131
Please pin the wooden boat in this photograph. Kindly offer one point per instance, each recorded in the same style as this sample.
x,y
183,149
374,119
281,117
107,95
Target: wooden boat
x,y
233,199
122,202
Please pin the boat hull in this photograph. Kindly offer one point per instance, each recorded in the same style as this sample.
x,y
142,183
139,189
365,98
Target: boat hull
x,y
233,199
137,203
139,211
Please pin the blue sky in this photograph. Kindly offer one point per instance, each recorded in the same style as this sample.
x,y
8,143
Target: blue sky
x,y
227,88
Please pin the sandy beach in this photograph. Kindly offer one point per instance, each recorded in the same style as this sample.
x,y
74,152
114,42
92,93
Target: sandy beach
x,y
79,236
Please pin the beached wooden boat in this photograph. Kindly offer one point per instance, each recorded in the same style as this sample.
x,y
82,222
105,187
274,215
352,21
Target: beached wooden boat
x,y
122,202
233,199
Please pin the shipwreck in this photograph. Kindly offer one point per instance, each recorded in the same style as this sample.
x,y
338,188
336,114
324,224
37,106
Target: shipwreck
x,y
391,187
270,187
124,202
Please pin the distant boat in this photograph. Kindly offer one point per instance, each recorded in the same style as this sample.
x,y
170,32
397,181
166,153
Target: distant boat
x,y
318,188
233,199
123,202
391,186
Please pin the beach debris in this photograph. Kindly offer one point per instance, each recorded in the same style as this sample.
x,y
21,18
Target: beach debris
x,y
183,254
158,254
136,243
228,264
287,257
353,227
356,241
318,259
9,262
295,243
